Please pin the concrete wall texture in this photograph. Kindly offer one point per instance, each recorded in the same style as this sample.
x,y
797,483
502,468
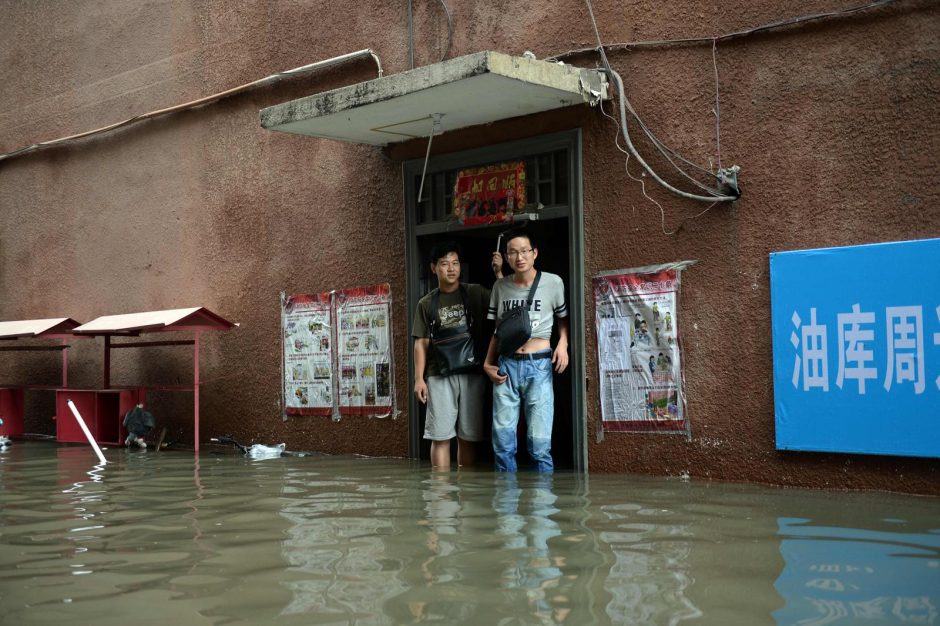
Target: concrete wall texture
x,y
834,123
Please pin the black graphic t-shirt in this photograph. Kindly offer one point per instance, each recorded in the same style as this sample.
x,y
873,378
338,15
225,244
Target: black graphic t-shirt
x,y
451,313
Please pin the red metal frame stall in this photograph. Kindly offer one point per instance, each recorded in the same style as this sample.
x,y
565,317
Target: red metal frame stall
x,y
196,320
11,396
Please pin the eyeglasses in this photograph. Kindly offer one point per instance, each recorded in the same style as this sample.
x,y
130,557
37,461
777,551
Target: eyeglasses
x,y
512,254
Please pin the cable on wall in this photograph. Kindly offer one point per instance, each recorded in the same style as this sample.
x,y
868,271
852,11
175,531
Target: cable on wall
x,y
626,167
716,195
727,178
783,23
411,32
450,30
297,71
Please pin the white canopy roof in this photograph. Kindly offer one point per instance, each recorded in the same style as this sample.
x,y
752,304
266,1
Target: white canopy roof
x,y
54,326
168,320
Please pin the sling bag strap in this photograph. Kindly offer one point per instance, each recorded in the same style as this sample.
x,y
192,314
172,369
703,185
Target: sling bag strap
x,y
514,328
535,285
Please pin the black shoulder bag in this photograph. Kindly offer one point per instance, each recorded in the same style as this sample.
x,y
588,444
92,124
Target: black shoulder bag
x,y
516,328
453,347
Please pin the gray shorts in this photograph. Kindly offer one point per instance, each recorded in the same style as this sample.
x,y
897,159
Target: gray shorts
x,y
450,396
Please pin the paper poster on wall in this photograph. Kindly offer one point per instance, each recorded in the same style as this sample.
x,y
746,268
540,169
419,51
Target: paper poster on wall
x,y
364,362
307,325
638,349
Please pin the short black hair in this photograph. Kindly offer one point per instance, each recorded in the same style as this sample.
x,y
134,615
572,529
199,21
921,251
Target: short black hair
x,y
443,248
518,231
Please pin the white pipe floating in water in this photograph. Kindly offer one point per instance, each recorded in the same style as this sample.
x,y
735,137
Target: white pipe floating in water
x,y
87,432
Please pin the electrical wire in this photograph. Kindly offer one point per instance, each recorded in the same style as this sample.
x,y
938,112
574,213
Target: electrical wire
x,y
717,103
597,32
411,35
657,143
666,151
626,166
714,194
297,71
740,33
450,30
660,145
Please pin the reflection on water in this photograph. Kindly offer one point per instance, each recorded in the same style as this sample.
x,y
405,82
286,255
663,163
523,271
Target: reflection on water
x,y
856,575
166,537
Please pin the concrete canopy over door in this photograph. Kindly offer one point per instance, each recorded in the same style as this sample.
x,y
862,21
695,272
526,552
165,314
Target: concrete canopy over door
x,y
474,89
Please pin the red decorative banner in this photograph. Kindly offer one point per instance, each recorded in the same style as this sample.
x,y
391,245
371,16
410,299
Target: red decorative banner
x,y
491,194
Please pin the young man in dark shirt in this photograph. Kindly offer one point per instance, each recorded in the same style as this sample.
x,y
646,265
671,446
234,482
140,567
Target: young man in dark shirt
x,y
454,401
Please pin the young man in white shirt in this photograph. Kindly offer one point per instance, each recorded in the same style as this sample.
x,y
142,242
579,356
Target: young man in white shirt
x,y
526,376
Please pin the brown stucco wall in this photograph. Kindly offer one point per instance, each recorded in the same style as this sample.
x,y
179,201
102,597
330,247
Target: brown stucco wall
x,y
833,123
835,127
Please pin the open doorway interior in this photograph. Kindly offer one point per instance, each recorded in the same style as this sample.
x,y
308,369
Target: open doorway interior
x,y
552,237
554,196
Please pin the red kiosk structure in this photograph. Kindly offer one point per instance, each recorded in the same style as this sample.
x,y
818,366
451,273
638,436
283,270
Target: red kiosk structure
x,y
104,408
11,396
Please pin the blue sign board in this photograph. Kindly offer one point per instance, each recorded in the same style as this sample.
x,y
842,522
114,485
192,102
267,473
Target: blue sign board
x,y
856,348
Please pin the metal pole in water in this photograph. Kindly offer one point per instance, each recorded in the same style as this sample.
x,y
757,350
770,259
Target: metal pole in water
x,y
87,432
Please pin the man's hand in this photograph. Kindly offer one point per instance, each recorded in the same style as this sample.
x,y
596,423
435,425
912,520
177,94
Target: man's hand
x,y
497,264
560,357
421,390
493,372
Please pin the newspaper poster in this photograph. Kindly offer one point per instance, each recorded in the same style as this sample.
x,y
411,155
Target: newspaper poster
x,y
364,350
638,349
307,324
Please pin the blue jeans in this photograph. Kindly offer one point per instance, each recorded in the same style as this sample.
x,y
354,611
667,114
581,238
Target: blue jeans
x,y
529,382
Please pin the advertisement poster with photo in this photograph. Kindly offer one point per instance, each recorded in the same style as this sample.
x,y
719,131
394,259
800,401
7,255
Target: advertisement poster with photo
x,y
639,360
307,324
364,355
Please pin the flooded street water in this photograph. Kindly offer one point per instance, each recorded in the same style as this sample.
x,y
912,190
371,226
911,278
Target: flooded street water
x,y
164,538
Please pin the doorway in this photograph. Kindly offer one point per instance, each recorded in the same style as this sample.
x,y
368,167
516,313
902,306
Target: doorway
x,y
554,194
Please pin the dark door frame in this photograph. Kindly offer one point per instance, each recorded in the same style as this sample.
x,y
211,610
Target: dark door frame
x,y
573,212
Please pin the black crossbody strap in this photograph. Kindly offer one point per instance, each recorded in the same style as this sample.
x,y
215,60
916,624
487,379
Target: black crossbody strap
x,y
535,285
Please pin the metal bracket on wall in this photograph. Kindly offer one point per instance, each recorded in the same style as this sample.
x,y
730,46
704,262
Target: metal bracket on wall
x,y
435,130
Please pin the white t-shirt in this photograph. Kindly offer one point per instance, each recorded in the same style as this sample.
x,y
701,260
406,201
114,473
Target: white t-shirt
x,y
548,302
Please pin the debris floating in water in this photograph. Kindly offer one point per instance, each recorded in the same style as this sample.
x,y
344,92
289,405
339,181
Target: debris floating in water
x,y
138,423
258,450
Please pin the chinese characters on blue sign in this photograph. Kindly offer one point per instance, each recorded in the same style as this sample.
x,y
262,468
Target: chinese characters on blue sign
x,y
856,348
839,576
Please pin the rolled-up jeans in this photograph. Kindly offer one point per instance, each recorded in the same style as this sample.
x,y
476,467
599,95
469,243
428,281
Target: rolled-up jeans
x,y
529,384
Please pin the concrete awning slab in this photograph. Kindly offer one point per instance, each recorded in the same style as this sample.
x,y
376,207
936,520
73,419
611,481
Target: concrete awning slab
x,y
475,89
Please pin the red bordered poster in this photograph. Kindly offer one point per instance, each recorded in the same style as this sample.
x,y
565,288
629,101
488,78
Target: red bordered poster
x,y
307,325
638,350
363,348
